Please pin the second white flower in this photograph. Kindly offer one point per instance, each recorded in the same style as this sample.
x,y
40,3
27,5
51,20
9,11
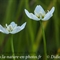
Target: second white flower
x,y
40,14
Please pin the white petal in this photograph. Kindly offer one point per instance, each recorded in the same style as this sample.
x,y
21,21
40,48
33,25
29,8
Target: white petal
x,y
13,24
3,30
52,10
27,13
18,28
49,14
34,17
31,16
39,10
23,26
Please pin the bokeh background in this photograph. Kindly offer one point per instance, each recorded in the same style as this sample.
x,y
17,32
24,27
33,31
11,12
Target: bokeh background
x,y
29,41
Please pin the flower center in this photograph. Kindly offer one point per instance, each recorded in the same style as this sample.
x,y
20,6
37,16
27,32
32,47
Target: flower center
x,y
40,15
9,28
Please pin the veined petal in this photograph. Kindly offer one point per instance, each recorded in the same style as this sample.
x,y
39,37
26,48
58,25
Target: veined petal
x,y
31,16
13,24
3,30
52,10
39,10
49,14
23,26
27,13
18,28
34,17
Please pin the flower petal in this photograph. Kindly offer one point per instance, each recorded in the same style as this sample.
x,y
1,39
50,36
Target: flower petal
x,y
39,10
18,28
23,26
34,17
3,30
27,13
31,16
13,24
52,10
49,14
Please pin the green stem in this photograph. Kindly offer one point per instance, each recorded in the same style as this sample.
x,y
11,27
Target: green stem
x,y
44,40
12,47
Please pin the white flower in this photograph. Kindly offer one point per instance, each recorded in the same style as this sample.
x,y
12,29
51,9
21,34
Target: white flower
x,y
40,14
12,28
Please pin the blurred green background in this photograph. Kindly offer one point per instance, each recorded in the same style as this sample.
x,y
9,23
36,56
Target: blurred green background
x,y
29,41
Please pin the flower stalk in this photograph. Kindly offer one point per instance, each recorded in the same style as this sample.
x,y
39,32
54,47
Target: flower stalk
x,y
12,47
44,40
